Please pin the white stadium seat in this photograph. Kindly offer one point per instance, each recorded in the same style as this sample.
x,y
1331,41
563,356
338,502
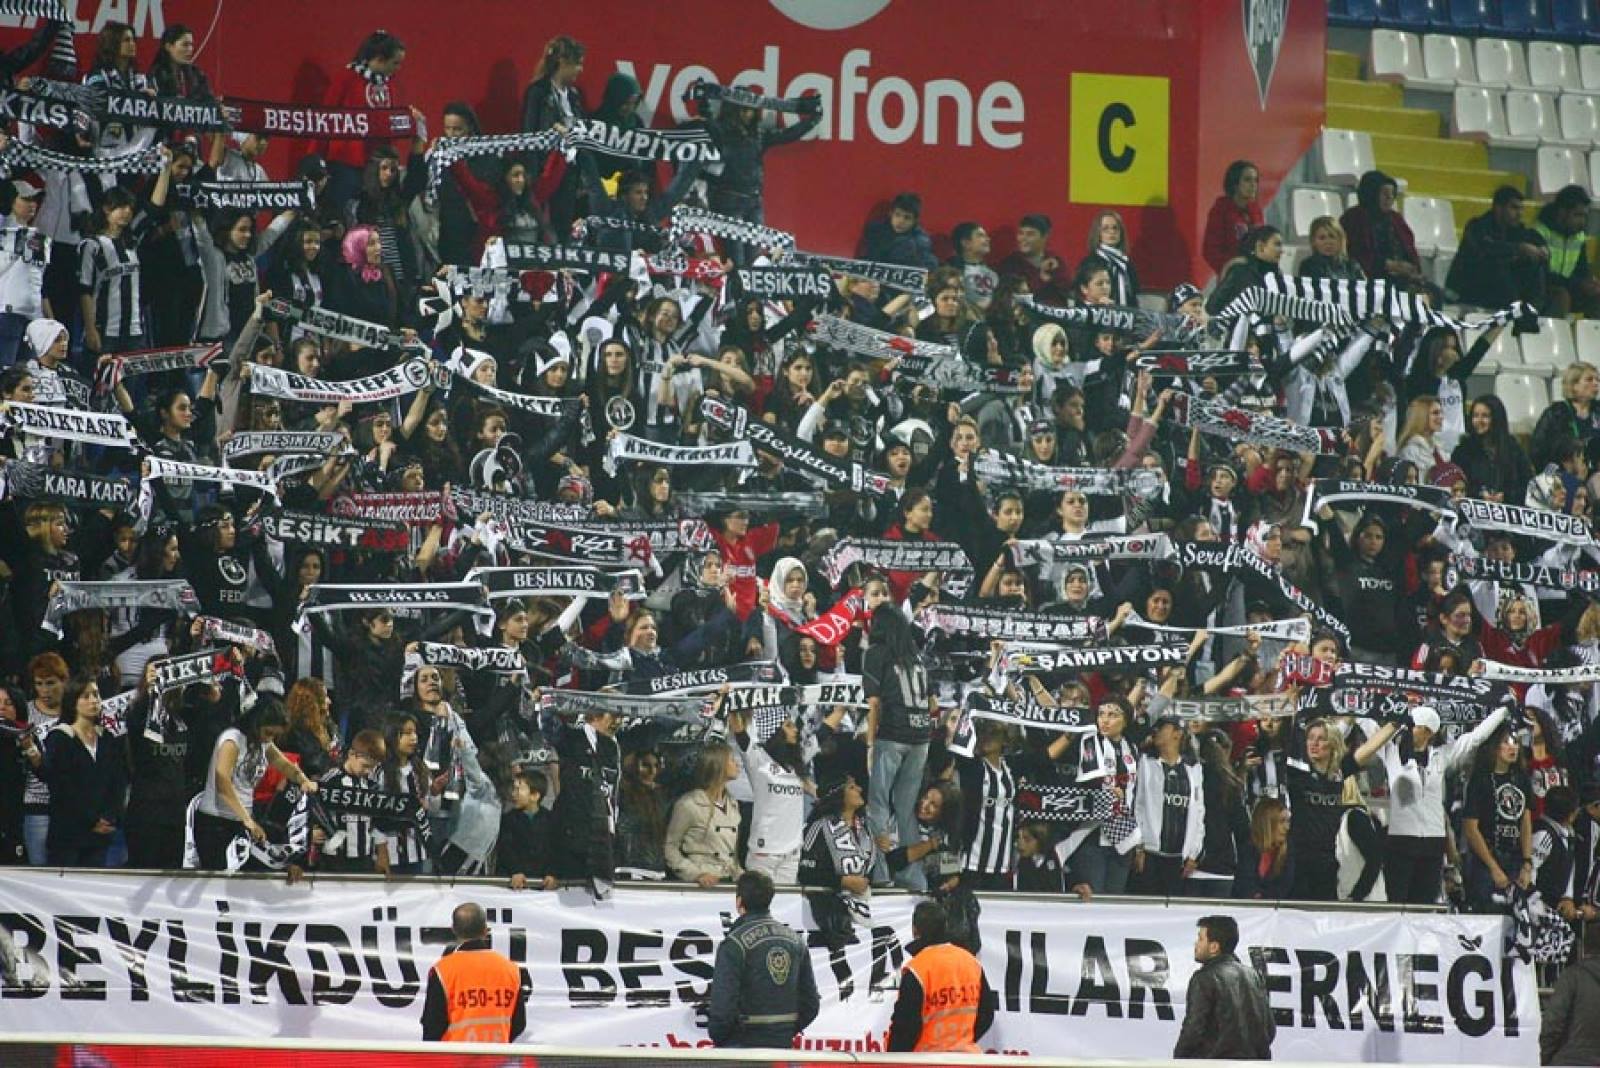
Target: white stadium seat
x,y
1504,355
1530,116
1589,67
1307,204
1553,67
1551,349
1396,57
1448,60
1346,156
1525,397
1559,166
1580,118
1588,340
1480,114
1501,62
1432,223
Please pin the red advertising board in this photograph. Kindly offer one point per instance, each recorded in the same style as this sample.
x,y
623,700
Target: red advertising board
x,y
989,110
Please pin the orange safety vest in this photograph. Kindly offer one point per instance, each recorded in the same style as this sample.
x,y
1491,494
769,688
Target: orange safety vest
x,y
481,989
952,984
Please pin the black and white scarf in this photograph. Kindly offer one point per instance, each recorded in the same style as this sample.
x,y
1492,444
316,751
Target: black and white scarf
x,y
18,156
173,595
579,546
786,282
226,630
692,709
1197,363
503,583
690,145
958,376
849,336
625,448
1339,302
446,151
496,659
1059,719
1115,318
885,555
320,320
1327,491
525,257
833,692
548,407
678,683
157,468
424,508
314,528
1235,559
1240,424
281,443
797,455
646,235
474,502
1230,709
746,98
323,598
688,222
958,620
91,428
1468,568
310,121
33,482
248,196
153,361
1383,692
798,504
1022,656
1526,676
1525,522
1057,803
398,381
1279,630
893,275
1056,551
1122,291
207,665
1002,469
391,811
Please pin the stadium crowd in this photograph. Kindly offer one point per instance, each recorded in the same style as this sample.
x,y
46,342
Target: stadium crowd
x,y
658,568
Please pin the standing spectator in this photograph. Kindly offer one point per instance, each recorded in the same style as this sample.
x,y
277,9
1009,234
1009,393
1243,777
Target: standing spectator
x,y
1500,259
552,100
1379,239
87,772
1440,371
899,238
1498,823
737,190
900,714
838,857
354,843
116,53
1172,810
172,71
774,769
1233,214
585,812
1108,242
1570,285
704,830
239,759
1104,853
24,257
972,252
1035,263
1570,1029
1226,1012
1495,464
641,819
108,279
365,82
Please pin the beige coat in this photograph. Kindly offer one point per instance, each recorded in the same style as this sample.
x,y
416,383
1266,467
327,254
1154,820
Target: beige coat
x,y
702,839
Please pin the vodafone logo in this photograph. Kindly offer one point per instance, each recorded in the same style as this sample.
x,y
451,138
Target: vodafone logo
x,y
830,14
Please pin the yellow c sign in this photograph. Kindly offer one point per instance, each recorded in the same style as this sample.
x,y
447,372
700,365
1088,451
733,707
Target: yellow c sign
x,y
1119,138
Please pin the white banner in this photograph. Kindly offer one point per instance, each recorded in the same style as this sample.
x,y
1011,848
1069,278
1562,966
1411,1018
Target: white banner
x,y
102,953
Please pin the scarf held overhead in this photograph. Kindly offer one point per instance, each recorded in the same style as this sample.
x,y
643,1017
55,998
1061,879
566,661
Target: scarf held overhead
x,y
319,123
171,595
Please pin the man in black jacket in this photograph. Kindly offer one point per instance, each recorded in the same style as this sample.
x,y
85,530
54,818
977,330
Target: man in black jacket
x,y
1226,1014
1500,260
763,991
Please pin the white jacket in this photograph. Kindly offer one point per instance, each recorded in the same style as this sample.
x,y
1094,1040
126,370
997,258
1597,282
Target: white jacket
x,y
1301,385
1416,793
1152,799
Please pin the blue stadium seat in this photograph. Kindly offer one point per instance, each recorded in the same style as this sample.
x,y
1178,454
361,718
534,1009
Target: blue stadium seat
x,y
1419,15
1469,16
1525,18
1365,13
1574,20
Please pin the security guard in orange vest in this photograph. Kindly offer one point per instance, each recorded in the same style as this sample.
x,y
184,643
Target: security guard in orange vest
x,y
945,1003
474,993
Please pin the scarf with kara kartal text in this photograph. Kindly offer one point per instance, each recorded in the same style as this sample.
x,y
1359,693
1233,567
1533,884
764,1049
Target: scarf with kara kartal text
x,y
625,448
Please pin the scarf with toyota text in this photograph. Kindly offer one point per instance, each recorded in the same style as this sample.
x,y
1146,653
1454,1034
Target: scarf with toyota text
x,y
398,381
795,454
318,123
625,448
152,361
1525,522
172,595
1238,424
41,482
1471,568
965,621
1328,491
1056,551
503,583
893,275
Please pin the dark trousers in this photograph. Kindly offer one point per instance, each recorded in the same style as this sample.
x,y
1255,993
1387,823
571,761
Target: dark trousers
x,y
211,837
1162,877
156,844
1316,877
79,852
1413,870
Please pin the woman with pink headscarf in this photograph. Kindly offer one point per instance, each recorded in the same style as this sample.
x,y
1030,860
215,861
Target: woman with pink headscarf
x,y
359,285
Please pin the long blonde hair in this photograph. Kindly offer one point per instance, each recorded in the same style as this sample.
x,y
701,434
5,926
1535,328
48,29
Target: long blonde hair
x,y
1417,415
1264,828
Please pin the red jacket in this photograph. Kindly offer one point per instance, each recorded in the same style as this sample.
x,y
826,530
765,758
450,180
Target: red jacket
x,y
739,562
1361,244
1226,225
350,90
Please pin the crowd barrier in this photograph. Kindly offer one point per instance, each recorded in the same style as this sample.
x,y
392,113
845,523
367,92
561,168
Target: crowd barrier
x,y
342,958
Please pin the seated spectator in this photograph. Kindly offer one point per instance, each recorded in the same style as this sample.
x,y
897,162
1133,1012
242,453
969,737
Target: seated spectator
x,y
1570,284
1233,214
1575,417
1378,237
899,238
1035,263
523,849
1329,253
1108,242
1500,259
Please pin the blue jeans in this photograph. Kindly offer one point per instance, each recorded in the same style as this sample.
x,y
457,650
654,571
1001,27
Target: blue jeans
x,y
1101,866
894,784
35,829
